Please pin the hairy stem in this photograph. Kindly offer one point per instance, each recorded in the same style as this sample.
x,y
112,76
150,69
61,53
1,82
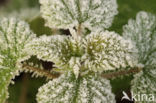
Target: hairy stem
x,y
41,72
121,73
49,75
79,31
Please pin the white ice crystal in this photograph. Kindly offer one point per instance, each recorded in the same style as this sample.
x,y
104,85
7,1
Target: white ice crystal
x,y
142,32
99,51
14,34
108,51
144,83
68,89
64,51
80,59
65,14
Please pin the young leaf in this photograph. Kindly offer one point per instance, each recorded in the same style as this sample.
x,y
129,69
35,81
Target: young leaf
x,y
108,51
144,84
68,89
64,51
65,14
142,32
97,52
14,34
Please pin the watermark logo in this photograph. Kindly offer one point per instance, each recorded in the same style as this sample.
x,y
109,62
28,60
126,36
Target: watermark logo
x,y
125,96
138,97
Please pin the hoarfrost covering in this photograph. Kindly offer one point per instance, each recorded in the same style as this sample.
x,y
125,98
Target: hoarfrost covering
x,y
65,14
142,32
14,34
108,51
144,83
64,51
68,89
99,51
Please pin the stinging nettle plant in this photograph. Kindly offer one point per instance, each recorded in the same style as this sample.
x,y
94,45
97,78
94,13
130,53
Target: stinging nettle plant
x,y
84,61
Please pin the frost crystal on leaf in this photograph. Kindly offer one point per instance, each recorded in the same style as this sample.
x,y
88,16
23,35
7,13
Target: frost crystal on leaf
x,y
144,83
14,34
97,52
65,14
64,51
108,51
142,32
68,89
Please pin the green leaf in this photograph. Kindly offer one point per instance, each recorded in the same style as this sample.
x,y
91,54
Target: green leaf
x,y
144,84
68,89
108,51
14,34
97,52
64,51
65,14
142,32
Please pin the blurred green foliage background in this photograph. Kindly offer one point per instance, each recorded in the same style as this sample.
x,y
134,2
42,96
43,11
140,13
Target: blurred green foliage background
x,y
25,88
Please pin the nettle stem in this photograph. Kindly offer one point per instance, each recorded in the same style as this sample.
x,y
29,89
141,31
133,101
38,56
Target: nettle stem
x,y
79,30
49,75
40,72
121,73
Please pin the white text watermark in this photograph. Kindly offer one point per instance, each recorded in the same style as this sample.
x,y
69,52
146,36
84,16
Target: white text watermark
x,y
139,97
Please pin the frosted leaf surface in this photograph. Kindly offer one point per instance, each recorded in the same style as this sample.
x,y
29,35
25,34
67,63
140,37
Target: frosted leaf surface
x,y
68,89
97,52
108,51
144,83
65,14
14,34
142,32
64,51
